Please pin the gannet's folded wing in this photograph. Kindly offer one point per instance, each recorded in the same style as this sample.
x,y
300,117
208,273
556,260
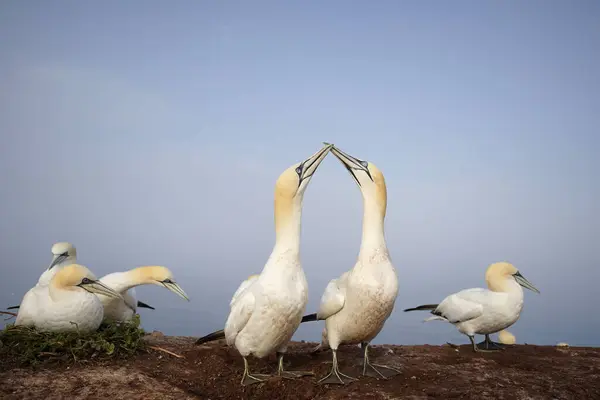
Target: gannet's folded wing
x,y
244,285
333,298
242,306
462,306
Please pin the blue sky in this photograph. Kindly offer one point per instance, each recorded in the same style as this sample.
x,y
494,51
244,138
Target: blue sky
x,y
148,132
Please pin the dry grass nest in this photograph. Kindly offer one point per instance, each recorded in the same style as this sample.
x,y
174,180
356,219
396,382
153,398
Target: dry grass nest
x,y
30,346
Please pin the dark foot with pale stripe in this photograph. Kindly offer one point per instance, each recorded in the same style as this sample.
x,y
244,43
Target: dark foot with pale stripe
x,y
254,378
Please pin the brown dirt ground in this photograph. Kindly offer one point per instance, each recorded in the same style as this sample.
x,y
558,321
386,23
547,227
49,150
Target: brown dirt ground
x,y
213,371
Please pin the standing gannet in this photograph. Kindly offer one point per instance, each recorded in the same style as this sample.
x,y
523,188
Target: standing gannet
x,y
356,305
63,254
67,303
484,311
124,283
266,313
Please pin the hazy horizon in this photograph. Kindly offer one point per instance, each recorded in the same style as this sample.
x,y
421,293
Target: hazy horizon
x,y
147,133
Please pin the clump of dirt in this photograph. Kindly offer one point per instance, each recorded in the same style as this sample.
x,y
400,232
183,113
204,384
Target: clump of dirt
x,y
175,368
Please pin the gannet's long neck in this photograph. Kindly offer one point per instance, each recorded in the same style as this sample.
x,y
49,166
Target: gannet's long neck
x,y
373,238
288,216
123,281
506,285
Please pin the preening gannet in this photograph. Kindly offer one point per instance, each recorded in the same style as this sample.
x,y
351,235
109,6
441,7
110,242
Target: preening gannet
x,y
484,311
356,305
266,313
124,283
63,254
67,303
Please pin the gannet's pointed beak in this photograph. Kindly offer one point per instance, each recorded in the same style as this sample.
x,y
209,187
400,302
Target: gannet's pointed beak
x,y
58,259
98,287
175,288
525,283
308,167
352,163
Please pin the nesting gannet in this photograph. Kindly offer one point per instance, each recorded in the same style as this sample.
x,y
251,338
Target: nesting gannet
x,y
356,305
124,283
63,254
505,337
67,303
267,312
484,311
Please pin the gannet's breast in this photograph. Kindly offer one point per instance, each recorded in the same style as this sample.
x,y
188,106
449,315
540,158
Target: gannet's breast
x,y
81,311
369,300
280,297
47,275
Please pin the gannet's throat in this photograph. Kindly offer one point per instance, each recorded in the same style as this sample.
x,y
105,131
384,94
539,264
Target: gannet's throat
x,y
288,216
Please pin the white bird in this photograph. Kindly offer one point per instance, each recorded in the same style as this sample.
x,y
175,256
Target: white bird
x,y
67,303
356,305
63,254
124,283
484,311
266,313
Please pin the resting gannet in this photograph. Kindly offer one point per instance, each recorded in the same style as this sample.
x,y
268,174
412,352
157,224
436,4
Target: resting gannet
x,y
67,303
124,283
63,254
356,305
484,311
265,314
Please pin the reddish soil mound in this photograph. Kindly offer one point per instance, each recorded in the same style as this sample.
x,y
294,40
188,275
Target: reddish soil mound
x,y
213,371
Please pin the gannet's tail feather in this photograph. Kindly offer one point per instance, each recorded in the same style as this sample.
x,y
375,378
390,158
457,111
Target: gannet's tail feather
x,y
144,305
211,336
424,307
435,318
309,318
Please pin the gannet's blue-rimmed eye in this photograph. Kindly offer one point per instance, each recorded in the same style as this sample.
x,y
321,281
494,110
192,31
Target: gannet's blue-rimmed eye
x,y
299,170
364,164
86,281
167,281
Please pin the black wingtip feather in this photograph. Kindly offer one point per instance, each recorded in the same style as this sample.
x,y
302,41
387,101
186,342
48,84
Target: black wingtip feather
x,y
211,336
144,305
13,307
424,307
309,318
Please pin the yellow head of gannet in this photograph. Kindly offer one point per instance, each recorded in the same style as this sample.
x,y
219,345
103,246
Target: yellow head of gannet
x,y
499,275
156,275
76,277
63,253
505,337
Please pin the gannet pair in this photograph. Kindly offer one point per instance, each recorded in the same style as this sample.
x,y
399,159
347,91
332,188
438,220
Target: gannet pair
x,y
124,307
267,308
67,303
484,311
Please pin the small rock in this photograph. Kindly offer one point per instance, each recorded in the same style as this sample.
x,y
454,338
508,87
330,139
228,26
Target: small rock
x,y
413,377
157,334
562,344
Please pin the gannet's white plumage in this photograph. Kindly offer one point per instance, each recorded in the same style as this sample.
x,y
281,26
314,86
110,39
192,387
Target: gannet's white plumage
x,y
356,305
484,311
124,283
67,303
63,254
265,314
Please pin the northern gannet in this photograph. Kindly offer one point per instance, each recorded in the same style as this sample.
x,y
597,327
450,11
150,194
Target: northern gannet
x,y
67,303
266,313
356,305
124,283
63,254
484,311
